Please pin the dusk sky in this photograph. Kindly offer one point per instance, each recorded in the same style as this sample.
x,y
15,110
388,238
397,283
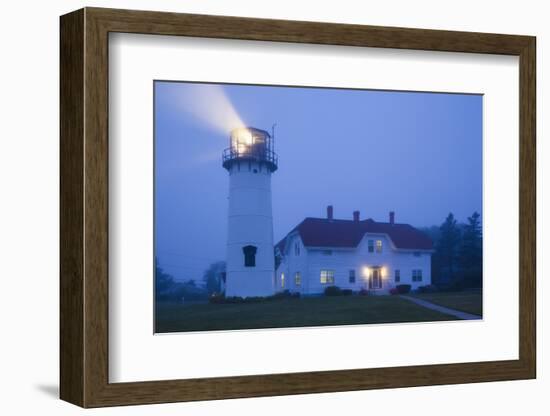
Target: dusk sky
x,y
418,154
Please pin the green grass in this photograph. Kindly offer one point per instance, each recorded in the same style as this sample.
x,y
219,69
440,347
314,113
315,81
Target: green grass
x,y
466,301
283,313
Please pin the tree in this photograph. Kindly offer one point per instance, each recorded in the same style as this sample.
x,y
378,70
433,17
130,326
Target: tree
x,y
447,248
212,277
471,252
164,282
167,289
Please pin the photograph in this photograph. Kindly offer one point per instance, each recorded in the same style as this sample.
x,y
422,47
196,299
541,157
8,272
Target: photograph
x,y
234,181
284,206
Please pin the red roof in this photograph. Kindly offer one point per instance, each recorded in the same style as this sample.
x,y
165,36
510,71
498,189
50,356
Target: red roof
x,y
322,232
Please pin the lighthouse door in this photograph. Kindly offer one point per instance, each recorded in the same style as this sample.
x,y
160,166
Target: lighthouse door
x,y
375,280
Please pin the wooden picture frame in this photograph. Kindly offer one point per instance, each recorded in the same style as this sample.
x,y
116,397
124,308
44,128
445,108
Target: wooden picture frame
x,y
84,207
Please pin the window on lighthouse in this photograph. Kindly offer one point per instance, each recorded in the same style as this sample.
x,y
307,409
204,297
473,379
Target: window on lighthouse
x,y
249,256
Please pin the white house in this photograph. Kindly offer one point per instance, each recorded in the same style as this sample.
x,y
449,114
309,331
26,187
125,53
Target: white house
x,y
352,254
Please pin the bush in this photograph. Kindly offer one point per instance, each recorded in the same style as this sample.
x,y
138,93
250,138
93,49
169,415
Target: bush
x,y
427,289
281,295
234,299
217,298
394,291
333,291
347,292
363,292
253,299
402,289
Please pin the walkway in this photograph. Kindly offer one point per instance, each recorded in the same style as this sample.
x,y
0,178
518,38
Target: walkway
x,y
442,309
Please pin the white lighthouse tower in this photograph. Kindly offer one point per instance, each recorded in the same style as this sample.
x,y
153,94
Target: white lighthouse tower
x,y
250,161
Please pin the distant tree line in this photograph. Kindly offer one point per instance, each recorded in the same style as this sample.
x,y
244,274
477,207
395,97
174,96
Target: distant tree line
x,y
167,289
457,262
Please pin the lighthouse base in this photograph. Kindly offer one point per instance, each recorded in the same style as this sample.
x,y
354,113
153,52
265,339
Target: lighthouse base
x,y
250,283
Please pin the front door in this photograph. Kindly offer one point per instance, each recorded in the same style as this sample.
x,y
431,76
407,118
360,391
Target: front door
x,y
375,279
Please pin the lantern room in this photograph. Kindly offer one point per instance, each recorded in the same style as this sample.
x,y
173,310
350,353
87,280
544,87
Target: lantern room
x,y
247,144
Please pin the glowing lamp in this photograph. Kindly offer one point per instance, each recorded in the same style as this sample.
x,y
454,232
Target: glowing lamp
x,y
250,144
366,271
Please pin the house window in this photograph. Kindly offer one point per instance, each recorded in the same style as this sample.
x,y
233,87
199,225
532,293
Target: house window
x,y
397,275
327,252
327,277
379,246
296,249
352,276
417,275
297,279
249,256
371,246
416,254
282,280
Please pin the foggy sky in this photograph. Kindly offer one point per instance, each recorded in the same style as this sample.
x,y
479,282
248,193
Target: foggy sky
x,y
418,154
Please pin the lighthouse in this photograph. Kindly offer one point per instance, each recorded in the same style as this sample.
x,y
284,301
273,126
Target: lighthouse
x,y
250,161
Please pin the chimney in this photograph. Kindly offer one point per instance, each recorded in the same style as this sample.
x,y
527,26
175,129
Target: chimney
x,y
355,215
329,212
392,217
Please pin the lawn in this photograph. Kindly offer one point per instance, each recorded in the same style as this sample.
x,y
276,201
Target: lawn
x,y
292,312
467,301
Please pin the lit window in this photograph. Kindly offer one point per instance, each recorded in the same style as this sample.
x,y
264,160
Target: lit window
x,y
417,275
352,276
327,277
296,249
397,275
371,246
282,280
297,279
249,256
379,246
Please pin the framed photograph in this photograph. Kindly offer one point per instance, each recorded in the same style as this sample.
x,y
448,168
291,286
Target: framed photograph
x,y
255,207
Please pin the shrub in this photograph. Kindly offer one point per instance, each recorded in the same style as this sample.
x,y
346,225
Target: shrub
x,y
394,291
253,299
219,298
234,299
427,289
333,291
281,295
363,292
402,289
347,292
216,298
